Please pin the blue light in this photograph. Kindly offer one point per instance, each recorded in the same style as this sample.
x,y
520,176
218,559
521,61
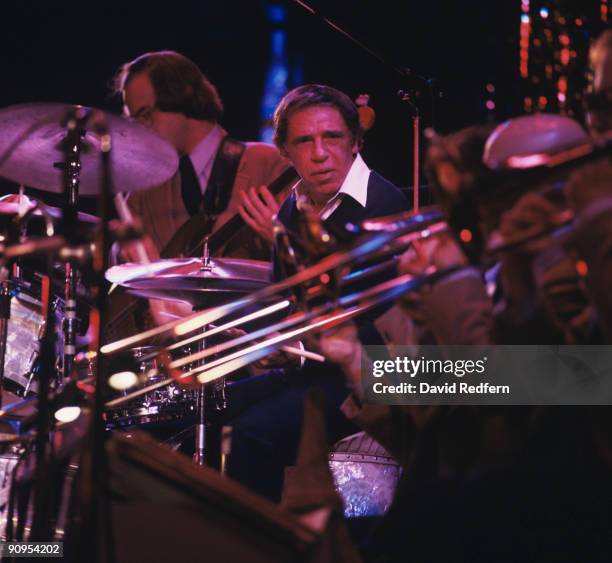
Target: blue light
x,y
525,18
275,86
276,13
544,12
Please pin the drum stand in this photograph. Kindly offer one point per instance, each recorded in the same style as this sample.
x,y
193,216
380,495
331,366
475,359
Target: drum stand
x,y
200,427
218,389
219,403
72,170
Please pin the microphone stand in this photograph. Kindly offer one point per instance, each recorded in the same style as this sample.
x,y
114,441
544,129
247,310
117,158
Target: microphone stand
x,y
406,97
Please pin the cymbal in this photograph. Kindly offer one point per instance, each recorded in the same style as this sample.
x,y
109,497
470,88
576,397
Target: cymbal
x,y
11,205
31,153
188,279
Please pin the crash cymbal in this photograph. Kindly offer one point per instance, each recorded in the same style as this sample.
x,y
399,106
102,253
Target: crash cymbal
x,y
13,204
190,280
31,153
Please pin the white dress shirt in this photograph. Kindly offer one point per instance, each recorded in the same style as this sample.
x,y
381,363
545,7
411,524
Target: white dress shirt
x,y
355,185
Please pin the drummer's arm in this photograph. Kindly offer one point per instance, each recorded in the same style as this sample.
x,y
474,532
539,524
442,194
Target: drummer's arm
x,y
136,250
139,250
144,250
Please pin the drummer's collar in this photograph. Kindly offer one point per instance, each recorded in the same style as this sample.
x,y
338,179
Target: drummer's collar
x,y
203,154
355,185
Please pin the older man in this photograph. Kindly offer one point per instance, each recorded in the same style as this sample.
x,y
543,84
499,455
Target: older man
x,y
317,128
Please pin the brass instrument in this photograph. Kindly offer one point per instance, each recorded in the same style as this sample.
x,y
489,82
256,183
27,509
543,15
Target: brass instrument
x,y
377,240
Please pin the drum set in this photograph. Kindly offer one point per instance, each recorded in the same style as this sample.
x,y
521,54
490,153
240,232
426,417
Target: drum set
x,y
56,362
53,264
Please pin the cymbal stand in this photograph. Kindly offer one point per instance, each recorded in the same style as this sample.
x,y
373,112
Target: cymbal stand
x,y
72,146
74,122
41,522
218,387
200,427
96,539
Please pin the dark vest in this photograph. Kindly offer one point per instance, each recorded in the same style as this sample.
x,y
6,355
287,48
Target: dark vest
x,y
383,198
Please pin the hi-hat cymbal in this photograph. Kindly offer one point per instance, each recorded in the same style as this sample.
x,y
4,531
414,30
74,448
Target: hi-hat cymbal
x,y
31,137
190,280
13,204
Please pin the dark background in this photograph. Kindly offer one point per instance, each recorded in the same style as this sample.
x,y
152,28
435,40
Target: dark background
x,y
69,51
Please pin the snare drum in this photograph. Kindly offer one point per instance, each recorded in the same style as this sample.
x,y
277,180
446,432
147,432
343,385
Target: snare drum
x,y
166,404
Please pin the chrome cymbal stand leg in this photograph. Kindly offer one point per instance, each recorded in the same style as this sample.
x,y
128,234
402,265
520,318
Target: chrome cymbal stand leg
x,y
200,428
218,392
70,324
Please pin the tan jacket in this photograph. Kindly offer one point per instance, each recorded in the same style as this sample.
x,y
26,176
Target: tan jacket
x,y
162,211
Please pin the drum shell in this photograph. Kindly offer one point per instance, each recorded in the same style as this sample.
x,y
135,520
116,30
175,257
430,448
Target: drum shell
x,y
24,333
365,475
166,404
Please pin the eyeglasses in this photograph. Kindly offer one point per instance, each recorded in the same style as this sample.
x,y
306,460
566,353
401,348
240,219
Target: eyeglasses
x,y
145,115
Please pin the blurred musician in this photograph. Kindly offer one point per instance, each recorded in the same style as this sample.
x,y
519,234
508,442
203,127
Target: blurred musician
x,y
589,189
599,97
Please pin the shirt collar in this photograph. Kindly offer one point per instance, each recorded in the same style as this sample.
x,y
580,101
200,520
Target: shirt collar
x,y
355,185
203,153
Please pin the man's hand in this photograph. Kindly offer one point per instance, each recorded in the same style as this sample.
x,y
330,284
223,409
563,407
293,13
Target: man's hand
x,y
340,344
440,251
279,358
531,215
164,312
136,250
257,209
